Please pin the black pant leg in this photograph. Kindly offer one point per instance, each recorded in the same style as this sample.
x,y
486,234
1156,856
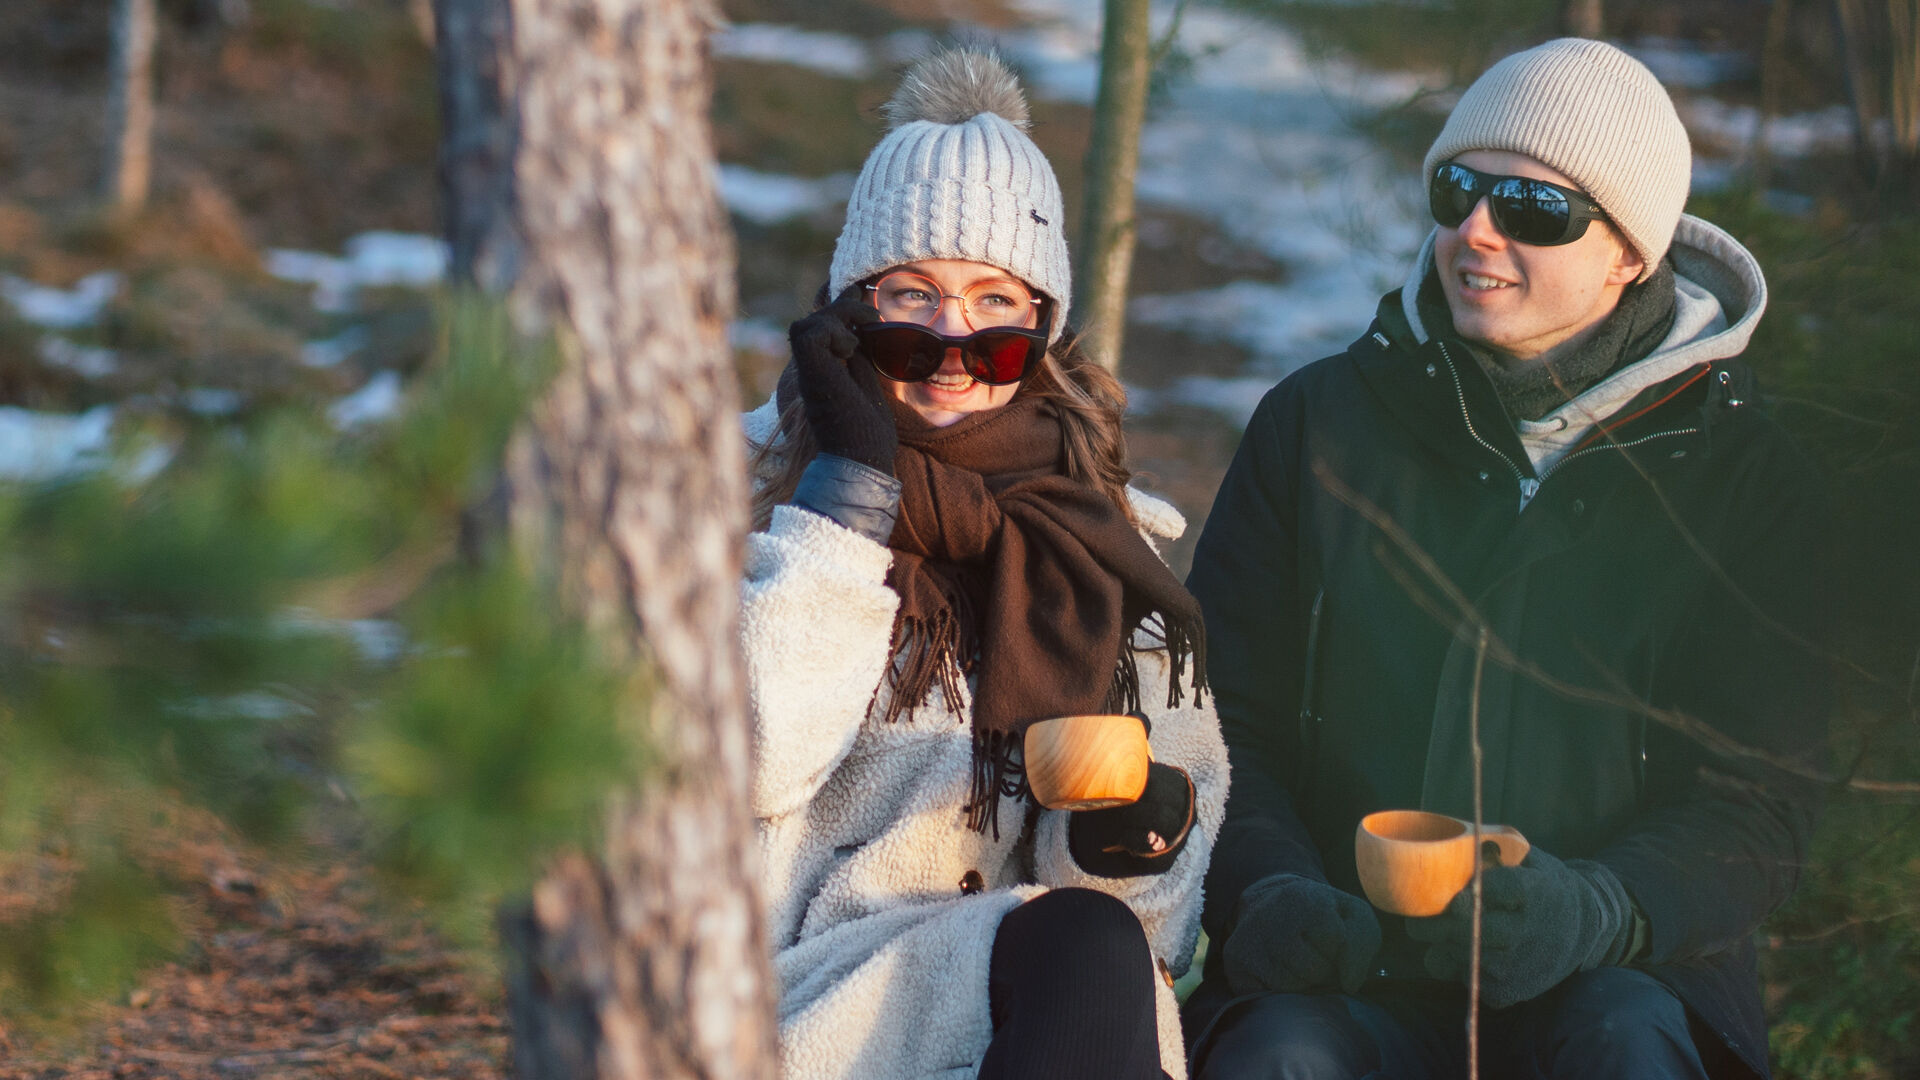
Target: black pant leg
x,y
1071,990
1608,1022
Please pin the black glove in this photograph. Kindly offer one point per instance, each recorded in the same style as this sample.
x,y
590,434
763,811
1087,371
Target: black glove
x,y
1142,837
1540,922
845,405
1292,934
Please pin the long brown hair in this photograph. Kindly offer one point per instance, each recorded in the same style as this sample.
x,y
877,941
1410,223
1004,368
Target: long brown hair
x,y
1091,401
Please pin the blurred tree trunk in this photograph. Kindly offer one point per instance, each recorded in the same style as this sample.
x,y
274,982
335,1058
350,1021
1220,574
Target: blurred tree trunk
x,y
1581,18
1773,72
1903,108
129,129
1880,50
578,164
1113,161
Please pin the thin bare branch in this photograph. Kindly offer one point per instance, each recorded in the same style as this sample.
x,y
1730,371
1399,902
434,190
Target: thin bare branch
x,y
1479,825
1165,45
1817,406
1776,941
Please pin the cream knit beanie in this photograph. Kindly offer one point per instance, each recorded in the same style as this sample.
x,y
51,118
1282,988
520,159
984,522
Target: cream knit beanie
x,y
1594,113
957,178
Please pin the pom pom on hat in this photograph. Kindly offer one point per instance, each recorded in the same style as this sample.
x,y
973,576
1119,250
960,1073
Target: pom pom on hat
x,y
955,86
956,177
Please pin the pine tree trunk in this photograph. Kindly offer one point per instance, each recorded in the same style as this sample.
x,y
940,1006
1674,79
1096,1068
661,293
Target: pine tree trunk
x,y
1854,21
1581,18
1113,162
631,477
129,128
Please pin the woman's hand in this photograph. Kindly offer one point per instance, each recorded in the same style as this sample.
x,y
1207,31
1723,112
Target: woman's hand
x,y
1142,837
841,393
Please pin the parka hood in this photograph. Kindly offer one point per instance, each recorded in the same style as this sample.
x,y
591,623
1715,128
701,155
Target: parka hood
x,y
1719,296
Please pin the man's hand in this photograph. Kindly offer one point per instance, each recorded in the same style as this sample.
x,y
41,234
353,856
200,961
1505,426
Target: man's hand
x,y
1292,934
1540,922
845,405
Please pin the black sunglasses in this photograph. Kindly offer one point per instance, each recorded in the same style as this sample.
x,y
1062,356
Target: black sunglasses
x,y
910,352
1531,211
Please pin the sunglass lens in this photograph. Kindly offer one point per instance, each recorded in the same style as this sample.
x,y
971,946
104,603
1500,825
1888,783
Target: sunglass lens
x,y
903,353
1530,211
1451,195
998,358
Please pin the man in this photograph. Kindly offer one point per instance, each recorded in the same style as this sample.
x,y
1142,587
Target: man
x,y
1536,498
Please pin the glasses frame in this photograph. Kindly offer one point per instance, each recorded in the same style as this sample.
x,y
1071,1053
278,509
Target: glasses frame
x,y
1581,209
966,308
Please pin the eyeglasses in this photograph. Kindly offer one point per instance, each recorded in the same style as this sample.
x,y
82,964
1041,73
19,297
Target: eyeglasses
x,y
1530,211
910,352
904,296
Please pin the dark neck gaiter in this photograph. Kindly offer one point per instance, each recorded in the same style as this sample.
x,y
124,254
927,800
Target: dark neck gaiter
x,y
1529,391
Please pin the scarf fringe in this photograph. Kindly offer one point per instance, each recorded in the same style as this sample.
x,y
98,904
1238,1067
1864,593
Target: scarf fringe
x,y
997,773
924,652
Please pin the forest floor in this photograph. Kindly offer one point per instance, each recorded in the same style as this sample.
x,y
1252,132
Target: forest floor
x,y
294,963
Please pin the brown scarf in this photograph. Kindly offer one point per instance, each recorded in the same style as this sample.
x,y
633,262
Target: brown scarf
x,y
1034,583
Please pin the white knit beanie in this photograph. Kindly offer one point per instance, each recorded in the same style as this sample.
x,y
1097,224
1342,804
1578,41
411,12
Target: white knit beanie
x,y
956,177
1594,113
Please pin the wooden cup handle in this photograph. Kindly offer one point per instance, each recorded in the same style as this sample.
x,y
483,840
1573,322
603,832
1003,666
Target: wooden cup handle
x,y
1513,846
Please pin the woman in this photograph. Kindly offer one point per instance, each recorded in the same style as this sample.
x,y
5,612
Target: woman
x,y
948,551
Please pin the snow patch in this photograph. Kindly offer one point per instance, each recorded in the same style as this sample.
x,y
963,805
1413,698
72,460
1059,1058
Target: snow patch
x,y
211,401
1796,135
371,259
1684,64
768,198
334,350
396,258
380,641
87,361
43,446
62,309
757,336
378,400
828,53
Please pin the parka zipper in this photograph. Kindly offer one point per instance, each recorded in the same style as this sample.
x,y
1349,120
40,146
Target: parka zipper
x,y
1460,395
1611,445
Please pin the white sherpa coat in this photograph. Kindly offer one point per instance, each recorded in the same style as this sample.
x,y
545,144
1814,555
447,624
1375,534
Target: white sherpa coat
x,y
882,961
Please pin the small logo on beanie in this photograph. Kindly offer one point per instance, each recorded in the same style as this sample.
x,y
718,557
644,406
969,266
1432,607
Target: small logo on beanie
x,y
1035,215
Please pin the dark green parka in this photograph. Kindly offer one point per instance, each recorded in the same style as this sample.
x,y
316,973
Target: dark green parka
x,y
1669,561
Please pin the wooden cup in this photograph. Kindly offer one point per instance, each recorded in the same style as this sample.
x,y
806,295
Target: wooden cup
x,y
1087,762
1413,862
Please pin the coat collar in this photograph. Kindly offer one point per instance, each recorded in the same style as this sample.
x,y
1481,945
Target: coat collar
x,y
1433,388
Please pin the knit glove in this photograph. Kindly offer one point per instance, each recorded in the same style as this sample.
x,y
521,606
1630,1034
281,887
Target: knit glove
x,y
1292,934
1540,922
1144,836
840,391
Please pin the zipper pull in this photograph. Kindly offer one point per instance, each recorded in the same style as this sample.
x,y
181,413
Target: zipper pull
x,y
1726,385
1529,487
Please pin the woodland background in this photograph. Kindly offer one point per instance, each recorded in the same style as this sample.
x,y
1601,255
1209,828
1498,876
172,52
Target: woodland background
x,y
280,729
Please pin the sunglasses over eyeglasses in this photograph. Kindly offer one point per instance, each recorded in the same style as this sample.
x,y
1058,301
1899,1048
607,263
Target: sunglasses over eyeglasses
x,y
1535,212
904,346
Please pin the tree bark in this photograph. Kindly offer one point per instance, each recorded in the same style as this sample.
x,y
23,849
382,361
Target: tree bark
x,y
1581,18
1773,67
1113,162
129,129
630,477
